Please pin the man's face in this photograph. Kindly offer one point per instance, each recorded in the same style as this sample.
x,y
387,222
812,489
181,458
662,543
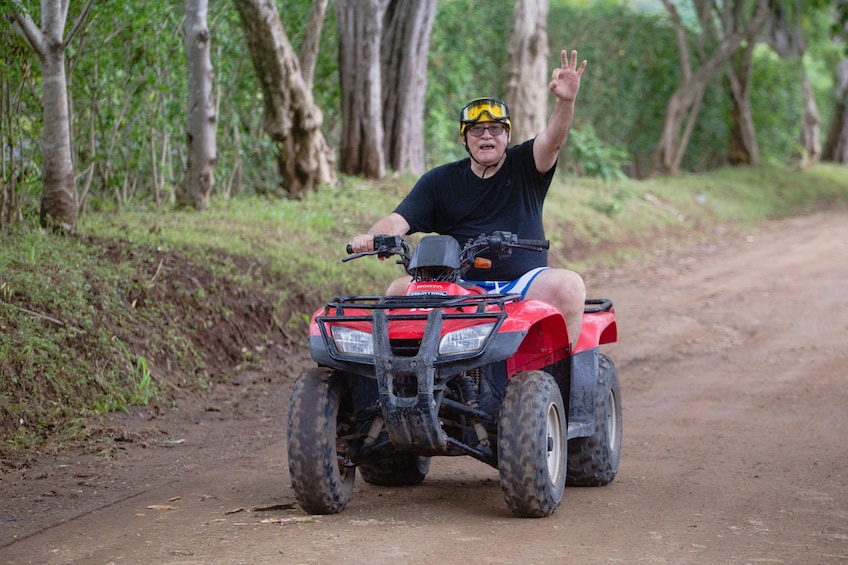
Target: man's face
x,y
487,141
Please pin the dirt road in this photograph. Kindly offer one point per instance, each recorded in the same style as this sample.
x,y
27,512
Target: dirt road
x,y
732,358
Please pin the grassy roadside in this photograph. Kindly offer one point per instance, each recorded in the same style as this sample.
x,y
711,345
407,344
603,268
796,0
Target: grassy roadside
x,y
145,305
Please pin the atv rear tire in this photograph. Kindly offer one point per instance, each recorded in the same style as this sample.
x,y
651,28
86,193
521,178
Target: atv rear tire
x,y
532,446
594,460
317,422
399,469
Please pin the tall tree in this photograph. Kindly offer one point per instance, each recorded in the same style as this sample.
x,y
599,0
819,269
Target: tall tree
x,y
199,180
291,118
683,106
404,51
360,28
836,144
742,145
529,52
58,200
312,40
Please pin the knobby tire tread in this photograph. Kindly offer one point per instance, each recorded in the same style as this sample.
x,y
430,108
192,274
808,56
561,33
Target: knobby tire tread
x,y
522,445
320,485
590,460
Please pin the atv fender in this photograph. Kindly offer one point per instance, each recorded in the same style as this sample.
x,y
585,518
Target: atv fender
x,y
598,328
545,336
546,344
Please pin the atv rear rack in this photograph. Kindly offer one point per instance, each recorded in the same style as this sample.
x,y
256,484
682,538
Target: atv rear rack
x,y
595,305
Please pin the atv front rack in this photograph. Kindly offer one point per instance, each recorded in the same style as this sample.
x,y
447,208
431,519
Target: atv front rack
x,y
592,305
434,311
423,301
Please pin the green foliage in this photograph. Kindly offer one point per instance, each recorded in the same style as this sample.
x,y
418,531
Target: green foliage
x,y
633,70
462,66
589,156
20,155
778,109
53,339
141,386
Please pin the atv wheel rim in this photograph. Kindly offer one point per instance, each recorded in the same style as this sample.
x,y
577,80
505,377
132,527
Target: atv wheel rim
x,y
554,440
612,420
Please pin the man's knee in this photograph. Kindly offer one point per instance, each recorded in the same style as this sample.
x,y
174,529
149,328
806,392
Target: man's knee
x,y
399,286
572,283
559,286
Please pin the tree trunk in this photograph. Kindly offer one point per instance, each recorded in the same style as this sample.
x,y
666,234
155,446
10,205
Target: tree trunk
x,y
360,26
680,116
683,105
58,199
810,131
312,40
836,146
404,50
529,53
291,118
742,145
199,181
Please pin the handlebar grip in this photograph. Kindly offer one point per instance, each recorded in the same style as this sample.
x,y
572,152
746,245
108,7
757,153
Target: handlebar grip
x,y
349,249
543,243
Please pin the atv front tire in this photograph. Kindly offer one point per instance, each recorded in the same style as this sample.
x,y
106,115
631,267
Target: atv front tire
x,y
594,460
532,445
399,469
316,425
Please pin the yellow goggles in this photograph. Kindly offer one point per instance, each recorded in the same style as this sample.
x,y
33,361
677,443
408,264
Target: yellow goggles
x,y
475,110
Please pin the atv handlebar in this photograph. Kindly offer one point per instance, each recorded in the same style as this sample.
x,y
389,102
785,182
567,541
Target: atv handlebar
x,y
534,243
384,246
499,242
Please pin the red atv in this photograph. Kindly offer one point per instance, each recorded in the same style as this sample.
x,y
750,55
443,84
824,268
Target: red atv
x,y
447,369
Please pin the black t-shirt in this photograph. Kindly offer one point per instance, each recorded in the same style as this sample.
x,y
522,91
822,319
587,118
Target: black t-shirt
x,y
452,200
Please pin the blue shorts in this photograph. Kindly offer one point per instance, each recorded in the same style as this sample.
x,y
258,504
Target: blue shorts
x,y
518,286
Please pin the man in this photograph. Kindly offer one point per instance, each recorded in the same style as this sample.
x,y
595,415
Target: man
x,y
497,188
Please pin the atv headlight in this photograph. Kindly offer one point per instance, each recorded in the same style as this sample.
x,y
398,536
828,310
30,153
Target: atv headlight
x,y
465,340
352,341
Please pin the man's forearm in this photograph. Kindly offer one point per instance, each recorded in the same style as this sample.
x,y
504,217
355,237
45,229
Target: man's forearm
x,y
550,141
559,123
393,224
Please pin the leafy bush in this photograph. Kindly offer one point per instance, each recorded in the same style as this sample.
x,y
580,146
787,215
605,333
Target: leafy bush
x,y
589,156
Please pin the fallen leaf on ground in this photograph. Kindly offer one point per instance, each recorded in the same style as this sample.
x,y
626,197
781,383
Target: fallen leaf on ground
x,y
275,506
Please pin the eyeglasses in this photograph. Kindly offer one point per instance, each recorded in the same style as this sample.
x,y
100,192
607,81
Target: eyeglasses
x,y
477,129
